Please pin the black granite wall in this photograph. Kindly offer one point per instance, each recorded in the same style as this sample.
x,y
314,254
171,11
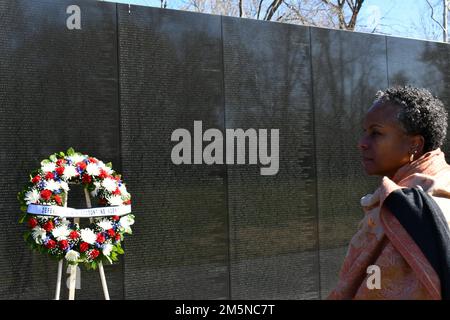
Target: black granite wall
x,y
119,87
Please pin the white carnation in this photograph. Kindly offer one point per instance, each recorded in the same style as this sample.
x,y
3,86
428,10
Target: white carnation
x,y
72,255
115,200
94,192
105,224
108,170
38,234
107,248
69,172
92,169
48,167
124,192
109,184
65,222
126,222
61,232
52,185
103,166
32,196
76,158
64,185
87,235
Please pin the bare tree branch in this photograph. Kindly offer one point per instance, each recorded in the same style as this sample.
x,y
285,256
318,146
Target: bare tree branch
x,y
259,9
340,14
272,9
297,13
355,11
327,2
432,15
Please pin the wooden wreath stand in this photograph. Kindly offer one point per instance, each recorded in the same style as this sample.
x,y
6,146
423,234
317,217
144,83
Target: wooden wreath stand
x,y
73,269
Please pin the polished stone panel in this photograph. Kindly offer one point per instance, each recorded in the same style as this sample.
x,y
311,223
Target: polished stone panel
x,y
119,87
58,89
273,219
171,75
421,64
346,76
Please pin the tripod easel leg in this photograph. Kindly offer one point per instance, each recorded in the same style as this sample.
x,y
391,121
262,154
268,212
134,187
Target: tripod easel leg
x,y
58,279
73,268
100,265
72,282
73,273
103,278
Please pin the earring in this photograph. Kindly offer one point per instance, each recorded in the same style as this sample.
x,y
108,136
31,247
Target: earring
x,y
411,158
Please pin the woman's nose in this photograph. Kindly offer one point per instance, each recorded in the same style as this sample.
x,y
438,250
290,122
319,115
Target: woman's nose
x,y
362,143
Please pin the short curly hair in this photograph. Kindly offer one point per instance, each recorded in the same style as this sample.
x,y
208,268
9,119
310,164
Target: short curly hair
x,y
421,113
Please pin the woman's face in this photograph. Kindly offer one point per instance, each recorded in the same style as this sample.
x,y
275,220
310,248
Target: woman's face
x,y
385,146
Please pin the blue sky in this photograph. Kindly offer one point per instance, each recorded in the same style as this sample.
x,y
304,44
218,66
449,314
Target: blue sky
x,y
403,18
406,18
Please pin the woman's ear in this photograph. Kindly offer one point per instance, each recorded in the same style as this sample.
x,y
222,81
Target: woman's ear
x,y
417,144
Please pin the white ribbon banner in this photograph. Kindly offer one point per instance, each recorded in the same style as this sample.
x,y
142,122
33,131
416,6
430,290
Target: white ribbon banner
x,y
78,213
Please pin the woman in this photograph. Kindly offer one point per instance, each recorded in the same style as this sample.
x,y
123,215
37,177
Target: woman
x,y
403,242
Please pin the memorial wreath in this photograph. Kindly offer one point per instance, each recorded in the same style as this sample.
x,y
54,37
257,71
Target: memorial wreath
x,y
44,204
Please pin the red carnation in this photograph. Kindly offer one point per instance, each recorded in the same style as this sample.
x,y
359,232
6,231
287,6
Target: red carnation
x,y
48,226
57,199
103,174
46,194
117,237
81,165
36,179
94,253
92,160
32,223
49,175
116,218
100,238
117,178
116,192
60,170
84,246
60,162
127,202
63,244
111,233
50,244
86,178
74,235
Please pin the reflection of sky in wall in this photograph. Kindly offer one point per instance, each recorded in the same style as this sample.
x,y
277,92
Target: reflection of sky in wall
x,y
392,17
406,62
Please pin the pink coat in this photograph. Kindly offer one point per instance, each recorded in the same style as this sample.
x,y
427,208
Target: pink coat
x,y
382,241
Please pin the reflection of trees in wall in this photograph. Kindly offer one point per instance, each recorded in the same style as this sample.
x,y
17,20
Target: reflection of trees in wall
x,y
346,79
44,87
437,56
346,88
399,78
